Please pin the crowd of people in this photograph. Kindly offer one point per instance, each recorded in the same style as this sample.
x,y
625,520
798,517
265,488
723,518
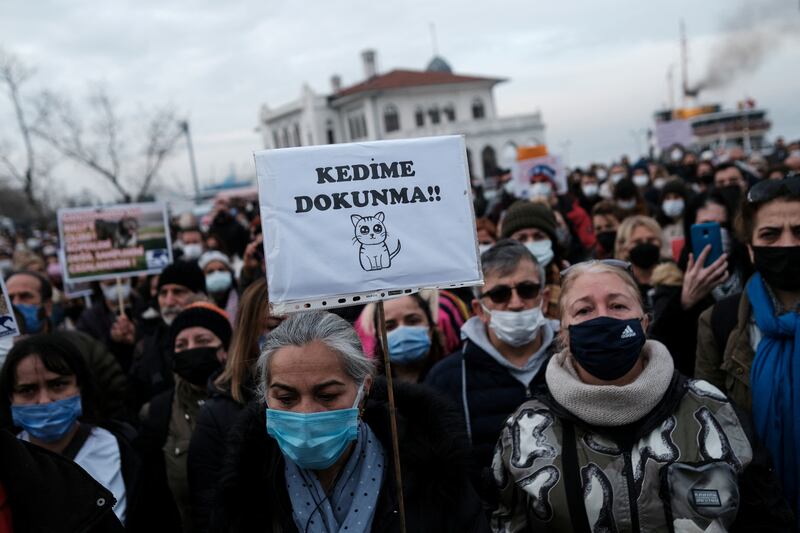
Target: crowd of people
x,y
609,375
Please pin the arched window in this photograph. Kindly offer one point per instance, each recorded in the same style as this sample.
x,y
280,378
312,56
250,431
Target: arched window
x,y
478,110
391,120
297,141
450,112
329,132
435,115
419,116
489,160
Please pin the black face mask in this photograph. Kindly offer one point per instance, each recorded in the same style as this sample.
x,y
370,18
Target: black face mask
x,y
731,194
196,365
607,347
779,266
645,255
607,240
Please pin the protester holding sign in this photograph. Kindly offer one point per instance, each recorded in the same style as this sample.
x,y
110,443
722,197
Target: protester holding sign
x,y
618,440
179,285
324,462
508,343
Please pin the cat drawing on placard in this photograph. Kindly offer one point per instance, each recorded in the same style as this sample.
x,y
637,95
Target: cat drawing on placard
x,y
371,234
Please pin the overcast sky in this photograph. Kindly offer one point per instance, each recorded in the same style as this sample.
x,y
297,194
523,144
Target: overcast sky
x,y
596,70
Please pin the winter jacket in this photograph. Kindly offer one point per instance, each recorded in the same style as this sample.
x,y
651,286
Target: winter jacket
x,y
726,363
433,455
48,493
111,383
686,463
151,369
207,450
490,391
97,321
579,220
167,425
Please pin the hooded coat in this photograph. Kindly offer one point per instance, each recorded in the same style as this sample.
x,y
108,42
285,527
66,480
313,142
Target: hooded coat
x,y
434,457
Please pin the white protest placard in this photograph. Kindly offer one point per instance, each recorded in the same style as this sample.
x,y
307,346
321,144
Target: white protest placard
x,y
114,241
351,223
550,166
8,324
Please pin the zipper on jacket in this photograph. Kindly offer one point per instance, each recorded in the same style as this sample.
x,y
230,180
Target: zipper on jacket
x,y
631,488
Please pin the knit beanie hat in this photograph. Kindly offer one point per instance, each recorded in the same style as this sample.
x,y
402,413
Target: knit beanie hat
x,y
214,255
185,273
205,315
524,215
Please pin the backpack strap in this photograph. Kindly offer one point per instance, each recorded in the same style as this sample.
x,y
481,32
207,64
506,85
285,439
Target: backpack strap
x,y
572,482
77,442
724,317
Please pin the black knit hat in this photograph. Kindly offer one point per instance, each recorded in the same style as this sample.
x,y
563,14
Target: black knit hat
x,y
524,215
185,273
204,315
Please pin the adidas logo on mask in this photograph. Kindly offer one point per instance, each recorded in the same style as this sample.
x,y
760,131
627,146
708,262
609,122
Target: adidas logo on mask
x,y
628,333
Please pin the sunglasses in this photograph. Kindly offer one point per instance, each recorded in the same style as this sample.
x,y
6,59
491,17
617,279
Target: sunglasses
x,y
618,263
501,294
767,190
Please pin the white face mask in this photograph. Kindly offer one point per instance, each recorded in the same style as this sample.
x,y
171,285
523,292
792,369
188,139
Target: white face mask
x,y
483,247
626,204
590,190
516,328
640,180
676,155
541,250
672,208
659,183
601,174
539,190
192,251
112,292
616,177
510,187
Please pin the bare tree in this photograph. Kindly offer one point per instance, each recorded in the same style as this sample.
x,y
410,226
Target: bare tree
x,y
97,143
13,74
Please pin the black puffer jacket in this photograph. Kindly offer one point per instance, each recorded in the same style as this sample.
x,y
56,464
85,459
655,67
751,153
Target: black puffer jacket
x,y
207,451
434,457
47,492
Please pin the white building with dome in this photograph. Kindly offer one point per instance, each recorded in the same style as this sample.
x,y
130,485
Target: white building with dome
x,y
401,104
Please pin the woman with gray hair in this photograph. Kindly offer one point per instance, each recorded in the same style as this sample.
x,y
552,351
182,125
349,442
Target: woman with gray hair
x,y
313,454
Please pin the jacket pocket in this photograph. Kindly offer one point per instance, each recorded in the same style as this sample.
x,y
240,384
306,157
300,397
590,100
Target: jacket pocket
x,y
700,496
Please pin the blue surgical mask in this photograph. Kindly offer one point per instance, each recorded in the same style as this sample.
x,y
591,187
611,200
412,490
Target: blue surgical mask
x,y
607,347
219,281
408,344
314,441
541,250
48,422
33,323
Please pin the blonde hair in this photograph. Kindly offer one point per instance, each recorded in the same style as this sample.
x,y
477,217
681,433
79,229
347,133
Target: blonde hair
x,y
592,267
626,229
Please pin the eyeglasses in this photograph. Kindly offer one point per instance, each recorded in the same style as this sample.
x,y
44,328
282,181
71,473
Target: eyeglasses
x,y
618,263
767,190
501,294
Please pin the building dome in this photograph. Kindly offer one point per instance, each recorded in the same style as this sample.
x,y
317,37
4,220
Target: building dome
x,y
438,64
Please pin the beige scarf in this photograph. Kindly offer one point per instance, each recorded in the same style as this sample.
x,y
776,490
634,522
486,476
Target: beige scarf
x,y
611,405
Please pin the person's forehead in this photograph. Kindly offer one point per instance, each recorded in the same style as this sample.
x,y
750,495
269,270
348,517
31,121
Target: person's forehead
x,y
597,286
399,307
730,172
524,271
778,212
31,369
306,366
216,265
194,331
174,287
24,282
642,232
